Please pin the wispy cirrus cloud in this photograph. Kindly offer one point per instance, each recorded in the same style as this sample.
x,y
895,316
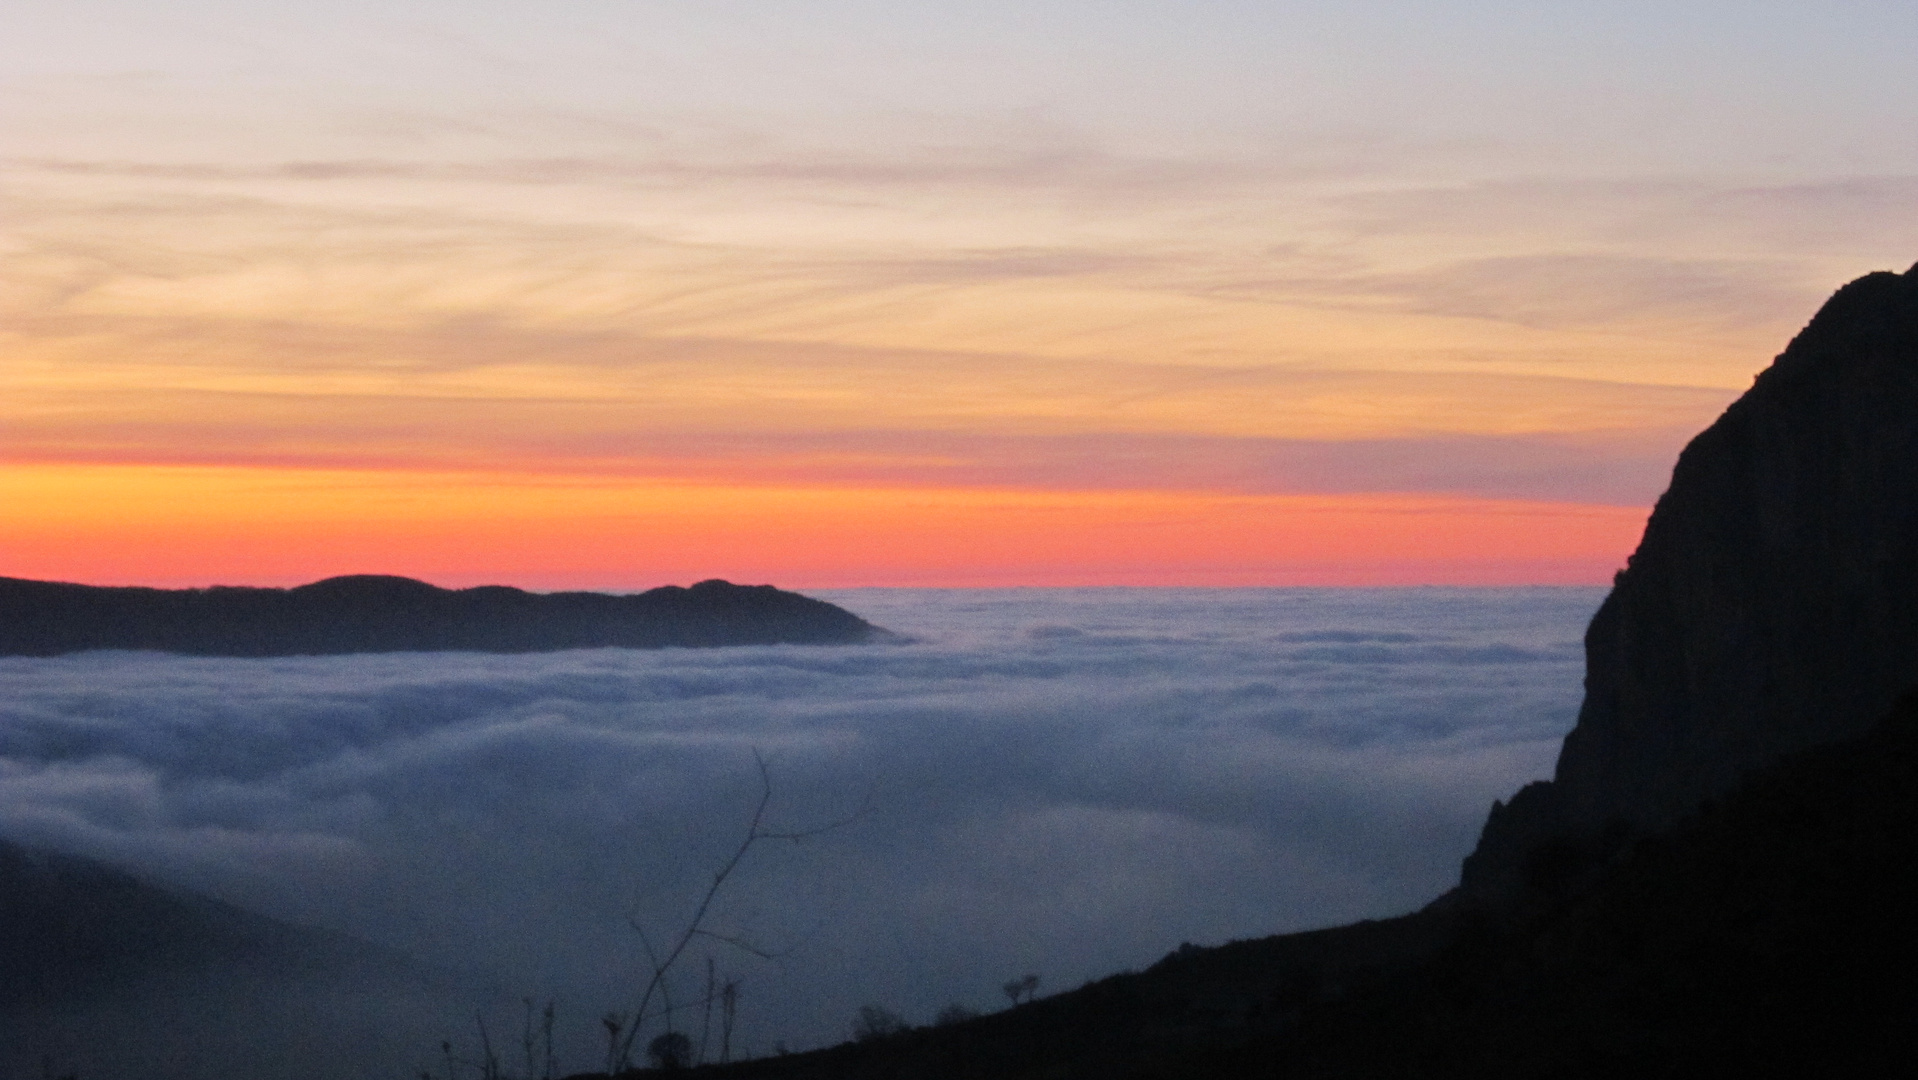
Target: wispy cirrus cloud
x,y
1619,469
1798,232
1085,168
957,312
485,395
848,258
1581,291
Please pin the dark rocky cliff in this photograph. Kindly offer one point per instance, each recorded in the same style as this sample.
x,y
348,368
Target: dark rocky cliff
x,y
393,614
1772,604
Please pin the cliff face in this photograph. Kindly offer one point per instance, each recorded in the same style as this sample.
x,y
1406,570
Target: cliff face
x,y
392,614
1773,602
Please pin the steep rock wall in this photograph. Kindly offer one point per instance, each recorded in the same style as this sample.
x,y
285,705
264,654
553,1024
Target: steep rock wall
x,y
1773,601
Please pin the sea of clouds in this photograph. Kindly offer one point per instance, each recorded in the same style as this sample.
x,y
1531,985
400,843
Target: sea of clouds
x,y
1062,782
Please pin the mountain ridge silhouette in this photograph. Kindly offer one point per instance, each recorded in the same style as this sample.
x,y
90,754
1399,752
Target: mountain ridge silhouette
x,y
379,613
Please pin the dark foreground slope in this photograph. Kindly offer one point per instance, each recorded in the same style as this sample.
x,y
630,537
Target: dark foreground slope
x,y
71,928
105,975
1770,934
392,614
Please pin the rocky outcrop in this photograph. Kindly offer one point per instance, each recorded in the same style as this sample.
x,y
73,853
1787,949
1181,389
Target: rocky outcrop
x,y
1764,936
1772,604
393,614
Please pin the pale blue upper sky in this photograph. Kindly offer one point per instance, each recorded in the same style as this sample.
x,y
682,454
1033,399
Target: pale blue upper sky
x,y
1778,89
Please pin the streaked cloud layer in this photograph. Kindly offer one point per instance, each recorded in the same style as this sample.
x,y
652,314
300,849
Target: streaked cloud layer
x,y
1044,251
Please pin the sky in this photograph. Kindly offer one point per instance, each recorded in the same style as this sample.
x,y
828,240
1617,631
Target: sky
x,y
1062,782
614,293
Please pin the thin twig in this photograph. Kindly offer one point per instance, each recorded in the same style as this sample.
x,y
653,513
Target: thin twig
x,y
738,941
755,832
706,1013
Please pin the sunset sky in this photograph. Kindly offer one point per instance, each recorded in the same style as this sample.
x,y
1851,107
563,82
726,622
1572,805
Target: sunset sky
x,y
615,293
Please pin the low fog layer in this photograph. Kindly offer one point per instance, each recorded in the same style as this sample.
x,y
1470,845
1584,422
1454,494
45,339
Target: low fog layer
x,y
1059,782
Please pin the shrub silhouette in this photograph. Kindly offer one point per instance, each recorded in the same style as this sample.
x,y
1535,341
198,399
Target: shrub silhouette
x,y
1021,988
670,1051
955,1013
877,1023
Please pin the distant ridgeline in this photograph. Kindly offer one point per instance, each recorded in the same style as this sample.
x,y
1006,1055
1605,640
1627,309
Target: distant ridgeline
x,y
370,613
1772,604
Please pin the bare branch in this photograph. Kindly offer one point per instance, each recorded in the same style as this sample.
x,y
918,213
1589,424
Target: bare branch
x,y
739,941
695,926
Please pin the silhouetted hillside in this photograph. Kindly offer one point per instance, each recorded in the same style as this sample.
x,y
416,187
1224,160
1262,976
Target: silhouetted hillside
x,y
1770,934
105,975
71,927
393,614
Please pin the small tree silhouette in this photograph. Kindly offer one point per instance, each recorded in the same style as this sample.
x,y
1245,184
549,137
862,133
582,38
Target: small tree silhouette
x,y
728,1006
670,1051
877,1023
955,1013
614,1022
1019,988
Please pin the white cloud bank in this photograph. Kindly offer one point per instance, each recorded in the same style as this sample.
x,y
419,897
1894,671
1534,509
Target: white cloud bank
x,y
1066,782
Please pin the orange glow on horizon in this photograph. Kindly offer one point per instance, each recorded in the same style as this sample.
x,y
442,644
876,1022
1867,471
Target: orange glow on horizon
x,y
187,525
